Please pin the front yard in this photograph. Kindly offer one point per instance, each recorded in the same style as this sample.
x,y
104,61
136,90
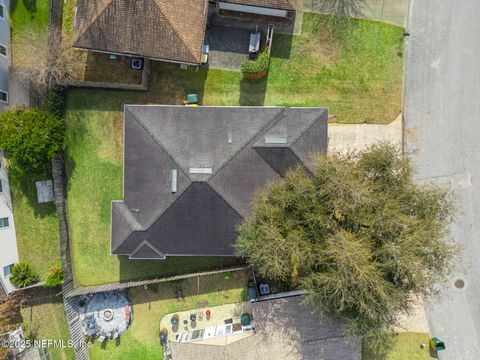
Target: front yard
x,y
405,345
142,341
359,77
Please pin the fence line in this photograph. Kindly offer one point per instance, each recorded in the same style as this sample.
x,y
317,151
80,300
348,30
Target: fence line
x,y
71,310
129,284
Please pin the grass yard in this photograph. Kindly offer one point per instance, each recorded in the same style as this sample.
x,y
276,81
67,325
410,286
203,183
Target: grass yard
x,y
94,166
45,319
404,346
36,224
359,77
141,341
30,16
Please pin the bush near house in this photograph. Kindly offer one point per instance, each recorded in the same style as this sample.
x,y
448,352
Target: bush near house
x,y
23,274
55,276
258,66
54,102
32,137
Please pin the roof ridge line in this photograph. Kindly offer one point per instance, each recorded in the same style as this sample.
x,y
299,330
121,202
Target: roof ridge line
x,y
129,218
308,128
249,141
109,3
150,245
175,28
126,108
221,197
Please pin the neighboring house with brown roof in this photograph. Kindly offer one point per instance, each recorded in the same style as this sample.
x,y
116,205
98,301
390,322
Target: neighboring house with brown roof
x,y
286,329
165,30
190,173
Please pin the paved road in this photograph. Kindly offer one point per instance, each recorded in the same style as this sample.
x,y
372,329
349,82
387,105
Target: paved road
x,y
442,128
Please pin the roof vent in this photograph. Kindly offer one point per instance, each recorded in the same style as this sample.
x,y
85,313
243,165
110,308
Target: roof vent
x,y
200,170
174,180
275,139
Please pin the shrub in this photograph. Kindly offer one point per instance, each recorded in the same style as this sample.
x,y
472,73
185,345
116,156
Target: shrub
x,y
54,102
23,274
55,276
32,137
256,66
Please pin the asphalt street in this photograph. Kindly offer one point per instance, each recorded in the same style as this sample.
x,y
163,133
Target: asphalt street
x,y
442,133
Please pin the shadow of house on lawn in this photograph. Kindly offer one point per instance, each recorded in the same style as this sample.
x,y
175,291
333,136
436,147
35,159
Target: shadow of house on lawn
x,y
131,270
252,92
24,180
216,284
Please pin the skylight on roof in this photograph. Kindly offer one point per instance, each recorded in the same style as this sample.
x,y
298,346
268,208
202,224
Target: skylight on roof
x,y
200,170
275,139
174,180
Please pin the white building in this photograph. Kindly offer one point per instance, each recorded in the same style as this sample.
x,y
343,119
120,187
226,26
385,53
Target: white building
x,y
8,240
4,52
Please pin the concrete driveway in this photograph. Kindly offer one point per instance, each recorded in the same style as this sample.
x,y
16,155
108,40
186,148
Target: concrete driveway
x,y
442,129
344,138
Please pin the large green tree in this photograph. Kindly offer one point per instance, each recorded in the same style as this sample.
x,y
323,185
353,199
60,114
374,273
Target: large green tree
x,y
32,137
356,232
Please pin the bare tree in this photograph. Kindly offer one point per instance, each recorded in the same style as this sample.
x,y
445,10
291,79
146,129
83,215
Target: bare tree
x,y
47,66
343,8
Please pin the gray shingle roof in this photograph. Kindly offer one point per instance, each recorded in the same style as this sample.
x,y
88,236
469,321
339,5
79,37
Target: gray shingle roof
x,y
233,143
286,329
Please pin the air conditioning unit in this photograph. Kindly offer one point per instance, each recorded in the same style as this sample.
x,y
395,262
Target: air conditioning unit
x,y
137,64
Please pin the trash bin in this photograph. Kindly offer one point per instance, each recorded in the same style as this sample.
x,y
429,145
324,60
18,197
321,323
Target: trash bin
x,y
437,344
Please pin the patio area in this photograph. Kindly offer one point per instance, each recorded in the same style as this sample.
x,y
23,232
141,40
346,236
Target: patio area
x,y
180,326
228,38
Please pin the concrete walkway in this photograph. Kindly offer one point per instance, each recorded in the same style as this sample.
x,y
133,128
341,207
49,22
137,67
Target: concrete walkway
x,y
392,11
344,138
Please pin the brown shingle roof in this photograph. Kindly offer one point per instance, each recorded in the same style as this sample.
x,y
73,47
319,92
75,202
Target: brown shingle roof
x,y
274,4
161,29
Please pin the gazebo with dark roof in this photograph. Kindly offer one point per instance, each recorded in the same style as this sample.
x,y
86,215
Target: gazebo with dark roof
x,y
190,173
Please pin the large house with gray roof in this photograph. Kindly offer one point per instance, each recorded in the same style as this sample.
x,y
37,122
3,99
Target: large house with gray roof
x,y
190,173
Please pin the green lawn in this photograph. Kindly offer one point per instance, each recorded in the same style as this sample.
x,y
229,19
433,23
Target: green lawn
x,y
36,224
94,166
30,16
359,77
141,341
404,346
45,319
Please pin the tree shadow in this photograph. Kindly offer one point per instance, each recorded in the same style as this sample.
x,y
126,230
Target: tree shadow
x,y
31,6
23,180
252,92
13,6
281,45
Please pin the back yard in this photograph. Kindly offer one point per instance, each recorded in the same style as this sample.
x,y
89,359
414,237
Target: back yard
x,y
357,74
141,341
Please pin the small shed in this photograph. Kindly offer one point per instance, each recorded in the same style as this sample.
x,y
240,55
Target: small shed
x,y
44,191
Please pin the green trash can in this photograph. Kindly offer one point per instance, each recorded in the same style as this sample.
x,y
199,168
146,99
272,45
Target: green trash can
x,y
245,319
192,98
437,344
